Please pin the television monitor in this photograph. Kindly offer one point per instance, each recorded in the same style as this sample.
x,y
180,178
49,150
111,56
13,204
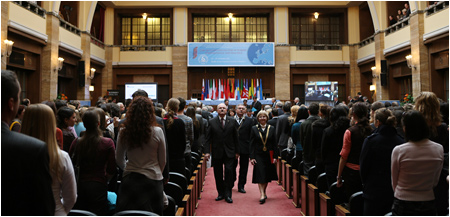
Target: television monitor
x,y
321,90
150,88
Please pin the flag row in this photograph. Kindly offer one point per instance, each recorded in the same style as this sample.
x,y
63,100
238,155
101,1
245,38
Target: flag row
x,y
231,88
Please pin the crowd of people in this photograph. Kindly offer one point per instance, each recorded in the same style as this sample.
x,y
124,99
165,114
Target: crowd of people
x,y
66,156
401,15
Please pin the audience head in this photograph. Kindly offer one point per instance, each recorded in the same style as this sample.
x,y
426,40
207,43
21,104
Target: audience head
x,y
385,117
415,126
294,110
160,105
121,106
394,104
324,111
182,104
50,104
231,112
255,98
376,105
279,104
387,104
428,104
10,95
359,111
287,107
302,114
190,112
171,108
140,92
222,109
226,101
337,112
60,103
240,110
313,108
139,123
102,119
65,117
398,117
26,102
158,112
274,112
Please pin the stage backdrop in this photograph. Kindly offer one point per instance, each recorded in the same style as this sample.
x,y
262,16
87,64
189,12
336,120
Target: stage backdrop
x,y
231,54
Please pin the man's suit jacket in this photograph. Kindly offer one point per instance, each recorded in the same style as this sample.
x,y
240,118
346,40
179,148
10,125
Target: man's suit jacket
x,y
26,180
283,129
273,122
222,142
244,131
257,105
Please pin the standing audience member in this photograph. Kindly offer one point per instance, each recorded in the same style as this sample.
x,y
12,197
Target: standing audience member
x,y
375,164
231,112
244,127
94,155
39,122
263,154
59,134
317,132
189,127
283,129
353,141
416,167
332,141
408,10
279,108
17,121
79,126
309,154
375,106
222,143
26,179
65,119
176,138
141,153
392,21
256,106
427,103
297,101
190,112
274,103
302,115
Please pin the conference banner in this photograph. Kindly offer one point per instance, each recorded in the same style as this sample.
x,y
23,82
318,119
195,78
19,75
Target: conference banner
x,y
231,54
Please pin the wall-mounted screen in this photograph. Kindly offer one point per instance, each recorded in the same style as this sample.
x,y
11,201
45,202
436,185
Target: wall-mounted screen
x,y
150,88
321,90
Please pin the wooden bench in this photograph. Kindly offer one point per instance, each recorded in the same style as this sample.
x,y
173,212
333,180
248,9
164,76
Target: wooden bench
x,y
341,211
326,205
304,193
279,171
283,174
289,181
313,200
296,188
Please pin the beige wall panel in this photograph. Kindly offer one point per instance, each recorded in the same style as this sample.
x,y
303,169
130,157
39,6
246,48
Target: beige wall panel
x,y
398,37
366,50
143,78
281,25
69,38
345,53
180,25
97,51
436,21
146,56
26,18
282,73
229,4
316,55
353,25
179,72
109,25
317,77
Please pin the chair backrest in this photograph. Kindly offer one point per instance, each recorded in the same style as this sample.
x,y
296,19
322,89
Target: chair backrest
x,y
175,191
194,162
290,155
284,153
180,180
78,212
312,175
300,168
188,173
356,203
171,209
196,155
337,195
135,213
295,162
321,183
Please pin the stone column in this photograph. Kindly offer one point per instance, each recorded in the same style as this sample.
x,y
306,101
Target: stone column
x,y
381,92
282,73
420,75
5,18
83,92
179,72
49,60
107,72
355,73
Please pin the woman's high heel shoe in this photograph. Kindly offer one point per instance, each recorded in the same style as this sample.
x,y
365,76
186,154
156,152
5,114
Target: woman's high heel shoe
x,y
262,201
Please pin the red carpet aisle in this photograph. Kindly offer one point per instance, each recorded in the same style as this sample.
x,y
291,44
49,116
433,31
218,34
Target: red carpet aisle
x,y
277,204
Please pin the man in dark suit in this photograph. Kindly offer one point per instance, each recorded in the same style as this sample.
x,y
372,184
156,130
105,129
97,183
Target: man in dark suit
x,y
26,180
222,143
309,156
274,103
297,101
280,108
245,125
274,119
256,106
283,129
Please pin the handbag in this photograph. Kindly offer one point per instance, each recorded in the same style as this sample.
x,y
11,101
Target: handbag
x,y
290,144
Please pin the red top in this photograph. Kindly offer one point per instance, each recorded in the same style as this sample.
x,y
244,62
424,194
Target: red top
x,y
59,138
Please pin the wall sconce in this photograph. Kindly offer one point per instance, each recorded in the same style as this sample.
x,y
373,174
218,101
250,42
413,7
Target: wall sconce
x,y
144,16
372,87
409,62
316,15
91,88
8,49
374,74
60,64
91,76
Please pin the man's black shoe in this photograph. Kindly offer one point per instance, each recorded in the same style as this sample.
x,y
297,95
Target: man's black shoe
x,y
242,190
229,200
220,197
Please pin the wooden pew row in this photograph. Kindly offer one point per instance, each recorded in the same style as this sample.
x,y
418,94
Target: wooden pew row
x,y
304,195
289,181
296,188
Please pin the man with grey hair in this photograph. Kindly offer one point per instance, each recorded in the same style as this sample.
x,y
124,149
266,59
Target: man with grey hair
x,y
297,101
280,108
274,102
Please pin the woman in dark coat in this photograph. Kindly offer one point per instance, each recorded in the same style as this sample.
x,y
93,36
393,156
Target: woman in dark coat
x,y
375,164
263,154
176,140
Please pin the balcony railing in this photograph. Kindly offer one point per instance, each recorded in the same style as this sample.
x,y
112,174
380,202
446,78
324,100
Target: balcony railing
x,y
142,47
399,25
68,26
318,46
367,41
97,42
33,7
436,7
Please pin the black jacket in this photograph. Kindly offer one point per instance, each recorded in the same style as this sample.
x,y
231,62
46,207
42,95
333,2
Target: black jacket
x,y
244,131
283,130
257,105
222,142
26,180
309,154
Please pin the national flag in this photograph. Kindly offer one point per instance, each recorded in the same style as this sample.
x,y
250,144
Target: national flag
x,y
251,92
260,89
237,92
245,89
214,90
257,89
254,87
203,89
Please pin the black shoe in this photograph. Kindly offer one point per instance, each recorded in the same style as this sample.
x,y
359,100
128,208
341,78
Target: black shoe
x,y
265,197
262,201
242,190
220,197
228,200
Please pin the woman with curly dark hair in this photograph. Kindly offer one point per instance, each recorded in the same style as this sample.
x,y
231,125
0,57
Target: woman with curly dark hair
x,y
142,142
353,141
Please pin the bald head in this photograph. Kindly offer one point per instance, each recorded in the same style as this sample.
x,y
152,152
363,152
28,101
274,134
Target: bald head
x,y
222,109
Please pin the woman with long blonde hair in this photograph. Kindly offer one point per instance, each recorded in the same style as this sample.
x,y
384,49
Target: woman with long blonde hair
x,y
39,122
